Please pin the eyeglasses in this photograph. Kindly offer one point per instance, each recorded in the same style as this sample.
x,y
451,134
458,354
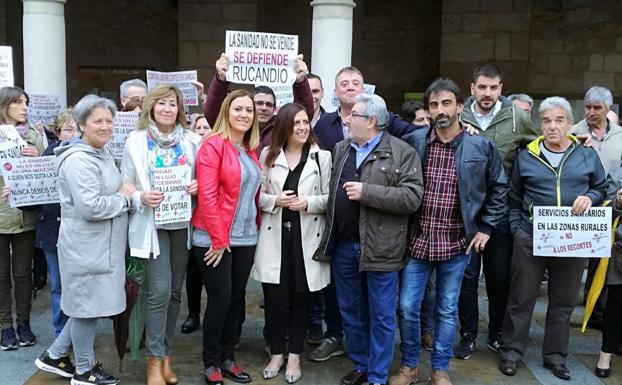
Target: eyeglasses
x,y
355,115
67,129
266,104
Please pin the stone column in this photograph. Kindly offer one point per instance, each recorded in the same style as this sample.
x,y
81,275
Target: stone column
x,y
331,47
45,70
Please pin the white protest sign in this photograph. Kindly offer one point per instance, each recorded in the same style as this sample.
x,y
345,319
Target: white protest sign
x,y
6,66
124,124
261,58
180,79
367,88
11,142
172,181
557,232
44,108
32,180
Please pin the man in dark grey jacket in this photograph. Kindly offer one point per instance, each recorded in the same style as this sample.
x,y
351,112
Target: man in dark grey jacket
x,y
554,170
375,184
464,199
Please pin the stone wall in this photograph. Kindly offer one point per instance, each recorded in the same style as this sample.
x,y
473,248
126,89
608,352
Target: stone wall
x,y
543,46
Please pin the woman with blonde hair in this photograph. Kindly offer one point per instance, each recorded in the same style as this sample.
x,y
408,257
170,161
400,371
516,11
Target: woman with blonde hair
x,y
226,224
161,140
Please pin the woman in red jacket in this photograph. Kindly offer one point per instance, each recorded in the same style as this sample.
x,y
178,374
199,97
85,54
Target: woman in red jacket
x,y
226,223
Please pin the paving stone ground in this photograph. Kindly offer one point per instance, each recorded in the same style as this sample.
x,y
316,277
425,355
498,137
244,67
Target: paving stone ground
x,y
18,368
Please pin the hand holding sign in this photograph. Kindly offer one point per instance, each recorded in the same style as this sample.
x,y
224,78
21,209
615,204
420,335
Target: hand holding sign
x,y
300,69
29,150
151,198
581,204
222,66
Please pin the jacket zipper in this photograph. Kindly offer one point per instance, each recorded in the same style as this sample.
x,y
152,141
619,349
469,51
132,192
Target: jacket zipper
x,y
557,174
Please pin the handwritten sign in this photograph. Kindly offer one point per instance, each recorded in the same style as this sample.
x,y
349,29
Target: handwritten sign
x,y
6,67
11,142
180,79
32,180
557,232
172,181
261,58
124,124
44,108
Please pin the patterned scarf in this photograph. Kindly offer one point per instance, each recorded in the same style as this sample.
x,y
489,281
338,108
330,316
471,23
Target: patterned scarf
x,y
165,149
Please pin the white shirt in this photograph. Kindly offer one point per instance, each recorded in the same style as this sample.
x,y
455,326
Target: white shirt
x,y
484,120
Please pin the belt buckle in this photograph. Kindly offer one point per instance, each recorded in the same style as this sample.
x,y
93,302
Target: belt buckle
x,y
287,225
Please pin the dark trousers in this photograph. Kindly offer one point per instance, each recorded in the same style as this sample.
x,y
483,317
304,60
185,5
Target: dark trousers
x,y
497,258
286,309
324,307
226,289
563,289
16,251
612,320
194,286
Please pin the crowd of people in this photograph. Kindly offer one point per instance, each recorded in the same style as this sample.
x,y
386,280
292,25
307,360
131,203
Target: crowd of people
x,y
369,222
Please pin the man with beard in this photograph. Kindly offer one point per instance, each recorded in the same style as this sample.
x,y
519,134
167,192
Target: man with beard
x,y
509,128
464,194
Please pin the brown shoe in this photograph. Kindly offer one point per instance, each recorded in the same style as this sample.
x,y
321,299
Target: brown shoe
x,y
167,370
427,341
154,371
405,376
440,377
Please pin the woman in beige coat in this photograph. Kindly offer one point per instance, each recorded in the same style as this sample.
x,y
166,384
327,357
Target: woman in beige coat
x,y
294,192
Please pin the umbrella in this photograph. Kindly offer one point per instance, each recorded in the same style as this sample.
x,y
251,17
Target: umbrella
x,y
598,282
137,316
122,321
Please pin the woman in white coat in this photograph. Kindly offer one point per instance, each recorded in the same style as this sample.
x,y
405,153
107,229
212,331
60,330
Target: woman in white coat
x,y
160,141
294,192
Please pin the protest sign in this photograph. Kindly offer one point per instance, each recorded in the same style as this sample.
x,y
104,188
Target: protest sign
x,y
32,180
11,142
261,58
44,108
124,124
557,232
6,67
180,79
172,181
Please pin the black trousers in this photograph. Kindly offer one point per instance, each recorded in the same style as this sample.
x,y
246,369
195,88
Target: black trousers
x,y
563,289
194,286
226,290
612,320
288,302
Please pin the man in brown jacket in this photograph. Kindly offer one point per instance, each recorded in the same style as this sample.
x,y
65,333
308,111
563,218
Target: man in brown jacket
x,y
375,184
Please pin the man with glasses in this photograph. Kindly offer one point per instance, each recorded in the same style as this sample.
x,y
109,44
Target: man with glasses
x,y
265,100
376,183
132,89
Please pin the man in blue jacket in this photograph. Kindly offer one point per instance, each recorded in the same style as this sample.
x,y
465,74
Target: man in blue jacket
x,y
465,188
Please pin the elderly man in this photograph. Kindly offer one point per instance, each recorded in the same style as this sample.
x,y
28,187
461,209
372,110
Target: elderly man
x,y
607,141
554,170
133,88
376,183
463,201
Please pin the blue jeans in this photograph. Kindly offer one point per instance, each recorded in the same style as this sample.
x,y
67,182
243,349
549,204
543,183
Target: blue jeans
x,y
367,303
427,306
59,319
412,288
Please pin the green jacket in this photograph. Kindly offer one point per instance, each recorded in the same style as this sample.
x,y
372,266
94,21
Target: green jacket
x,y
510,130
13,220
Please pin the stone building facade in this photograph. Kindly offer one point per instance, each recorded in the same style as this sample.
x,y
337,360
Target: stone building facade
x,y
544,46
